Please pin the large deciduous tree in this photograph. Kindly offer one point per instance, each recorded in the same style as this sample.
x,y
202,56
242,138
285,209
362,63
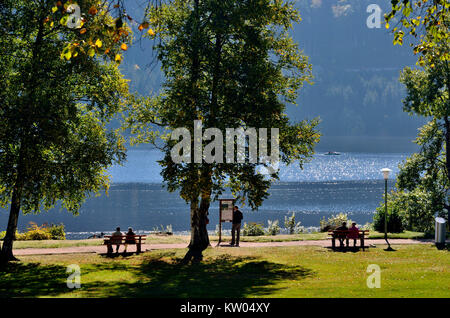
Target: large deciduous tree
x,y
56,98
229,64
423,183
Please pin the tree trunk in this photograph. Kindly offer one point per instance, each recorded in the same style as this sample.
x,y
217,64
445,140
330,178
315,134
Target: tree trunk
x,y
6,254
199,217
447,156
199,233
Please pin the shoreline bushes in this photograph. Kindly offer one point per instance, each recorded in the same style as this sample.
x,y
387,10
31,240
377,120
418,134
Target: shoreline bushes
x,y
36,233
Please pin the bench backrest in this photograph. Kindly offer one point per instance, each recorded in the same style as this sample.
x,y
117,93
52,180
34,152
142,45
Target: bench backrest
x,y
333,232
120,238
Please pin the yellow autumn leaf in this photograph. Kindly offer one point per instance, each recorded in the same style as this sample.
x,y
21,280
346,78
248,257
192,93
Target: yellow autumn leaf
x,y
54,9
91,52
151,32
124,46
118,58
98,43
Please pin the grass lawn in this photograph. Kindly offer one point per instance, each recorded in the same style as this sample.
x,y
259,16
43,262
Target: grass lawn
x,y
306,271
158,239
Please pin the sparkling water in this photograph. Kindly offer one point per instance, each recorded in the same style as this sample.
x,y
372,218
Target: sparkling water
x,y
351,183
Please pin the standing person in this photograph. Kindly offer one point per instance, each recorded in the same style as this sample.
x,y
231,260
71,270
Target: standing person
x,y
129,239
116,237
236,227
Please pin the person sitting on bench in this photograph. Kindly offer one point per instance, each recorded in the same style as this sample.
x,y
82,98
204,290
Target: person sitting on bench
x,y
353,233
116,238
342,236
129,239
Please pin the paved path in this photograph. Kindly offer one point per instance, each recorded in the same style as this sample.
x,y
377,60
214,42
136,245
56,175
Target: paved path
x,y
101,249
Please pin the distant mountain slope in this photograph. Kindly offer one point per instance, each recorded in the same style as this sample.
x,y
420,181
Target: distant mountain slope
x,y
356,69
356,90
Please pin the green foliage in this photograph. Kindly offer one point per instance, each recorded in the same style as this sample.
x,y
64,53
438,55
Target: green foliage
x,y
423,182
34,232
272,227
427,91
54,141
415,208
235,71
427,22
291,225
395,222
253,229
57,232
334,222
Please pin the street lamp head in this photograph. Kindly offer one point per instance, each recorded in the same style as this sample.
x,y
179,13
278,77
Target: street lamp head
x,y
386,172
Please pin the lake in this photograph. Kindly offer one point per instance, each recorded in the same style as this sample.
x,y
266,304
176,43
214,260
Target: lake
x,y
350,183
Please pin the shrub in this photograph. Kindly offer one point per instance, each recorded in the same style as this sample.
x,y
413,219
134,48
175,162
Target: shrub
x,y
34,232
164,230
291,226
334,222
253,229
273,228
57,232
43,232
416,209
394,220
368,226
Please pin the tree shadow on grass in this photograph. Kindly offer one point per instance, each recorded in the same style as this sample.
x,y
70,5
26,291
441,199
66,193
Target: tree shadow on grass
x,y
223,276
32,280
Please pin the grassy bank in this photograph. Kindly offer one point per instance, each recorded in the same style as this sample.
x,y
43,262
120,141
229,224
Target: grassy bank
x,y
172,239
307,271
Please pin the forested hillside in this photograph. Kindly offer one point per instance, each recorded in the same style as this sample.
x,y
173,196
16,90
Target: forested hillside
x,y
356,90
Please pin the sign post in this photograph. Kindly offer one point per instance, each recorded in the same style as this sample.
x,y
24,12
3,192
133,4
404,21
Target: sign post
x,y
225,214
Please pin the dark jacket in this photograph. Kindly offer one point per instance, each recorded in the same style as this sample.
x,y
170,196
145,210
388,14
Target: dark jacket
x,y
237,217
130,238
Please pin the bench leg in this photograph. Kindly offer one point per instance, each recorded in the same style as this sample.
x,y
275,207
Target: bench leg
x,y
362,243
333,243
109,248
138,248
346,241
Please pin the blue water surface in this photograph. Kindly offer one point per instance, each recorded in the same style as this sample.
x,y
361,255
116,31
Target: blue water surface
x,y
351,183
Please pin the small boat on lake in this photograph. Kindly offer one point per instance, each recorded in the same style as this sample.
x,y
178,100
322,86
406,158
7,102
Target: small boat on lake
x,y
332,153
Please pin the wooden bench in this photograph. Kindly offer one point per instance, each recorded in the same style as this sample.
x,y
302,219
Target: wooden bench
x,y
344,234
109,241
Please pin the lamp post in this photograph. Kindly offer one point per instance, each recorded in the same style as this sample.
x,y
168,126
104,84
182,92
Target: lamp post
x,y
386,172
